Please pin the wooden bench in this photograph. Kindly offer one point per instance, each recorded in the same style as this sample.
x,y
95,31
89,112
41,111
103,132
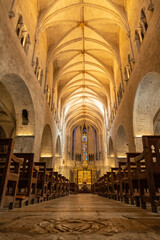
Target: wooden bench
x,y
42,182
51,184
9,173
64,185
60,188
27,185
67,186
107,192
149,178
118,186
130,180
56,186
111,184
73,188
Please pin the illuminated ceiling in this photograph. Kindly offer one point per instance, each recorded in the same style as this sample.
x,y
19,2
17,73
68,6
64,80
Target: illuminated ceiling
x,y
83,46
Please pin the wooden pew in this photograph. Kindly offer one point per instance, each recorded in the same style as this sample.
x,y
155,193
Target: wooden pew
x,y
149,178
67,187
51,184
118,186
60,185
42,182
111,184
130,180
56,186
73,188
9,173
63,186
107,192
99,184
27,185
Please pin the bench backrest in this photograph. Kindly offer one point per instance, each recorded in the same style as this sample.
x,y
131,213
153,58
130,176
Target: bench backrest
x,y
151,146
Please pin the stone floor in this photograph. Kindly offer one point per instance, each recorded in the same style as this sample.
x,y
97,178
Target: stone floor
x,y
82,216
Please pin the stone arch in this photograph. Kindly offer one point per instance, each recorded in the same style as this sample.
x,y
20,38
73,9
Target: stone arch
x,y
146,107
110,148
156,123
7,113
21,100
121,142
2,133
47,146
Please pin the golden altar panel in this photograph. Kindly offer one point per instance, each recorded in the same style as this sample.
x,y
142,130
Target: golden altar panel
x,y
84,176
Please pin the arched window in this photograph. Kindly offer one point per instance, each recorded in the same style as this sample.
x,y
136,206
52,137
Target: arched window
x,y
73,142
84,144
143,21
23,34
27,43
19,26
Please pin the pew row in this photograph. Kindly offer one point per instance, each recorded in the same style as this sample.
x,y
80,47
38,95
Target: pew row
x,y
23,181
136,180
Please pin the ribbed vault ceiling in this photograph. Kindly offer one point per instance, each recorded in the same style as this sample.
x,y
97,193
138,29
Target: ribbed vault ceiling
x,y
83,46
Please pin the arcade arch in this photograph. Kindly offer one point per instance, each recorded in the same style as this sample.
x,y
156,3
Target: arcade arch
x,y
146,107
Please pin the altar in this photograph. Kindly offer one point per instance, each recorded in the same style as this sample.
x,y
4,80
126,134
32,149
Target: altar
x,y
84,178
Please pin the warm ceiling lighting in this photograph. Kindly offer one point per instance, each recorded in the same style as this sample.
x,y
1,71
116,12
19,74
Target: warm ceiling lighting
x,y
46,156
25,135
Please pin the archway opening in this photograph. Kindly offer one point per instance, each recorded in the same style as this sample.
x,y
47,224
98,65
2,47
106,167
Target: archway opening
x,y
121,143
7,114
47,147
146,108
111,148
14,100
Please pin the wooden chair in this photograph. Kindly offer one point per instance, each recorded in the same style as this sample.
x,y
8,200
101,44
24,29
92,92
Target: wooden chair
x,y
149,178
27,185
9,173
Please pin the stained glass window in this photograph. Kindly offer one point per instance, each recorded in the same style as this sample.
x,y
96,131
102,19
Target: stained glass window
x,y
84,144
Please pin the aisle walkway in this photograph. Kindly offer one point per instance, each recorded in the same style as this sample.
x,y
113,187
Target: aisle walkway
x,y
82,216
